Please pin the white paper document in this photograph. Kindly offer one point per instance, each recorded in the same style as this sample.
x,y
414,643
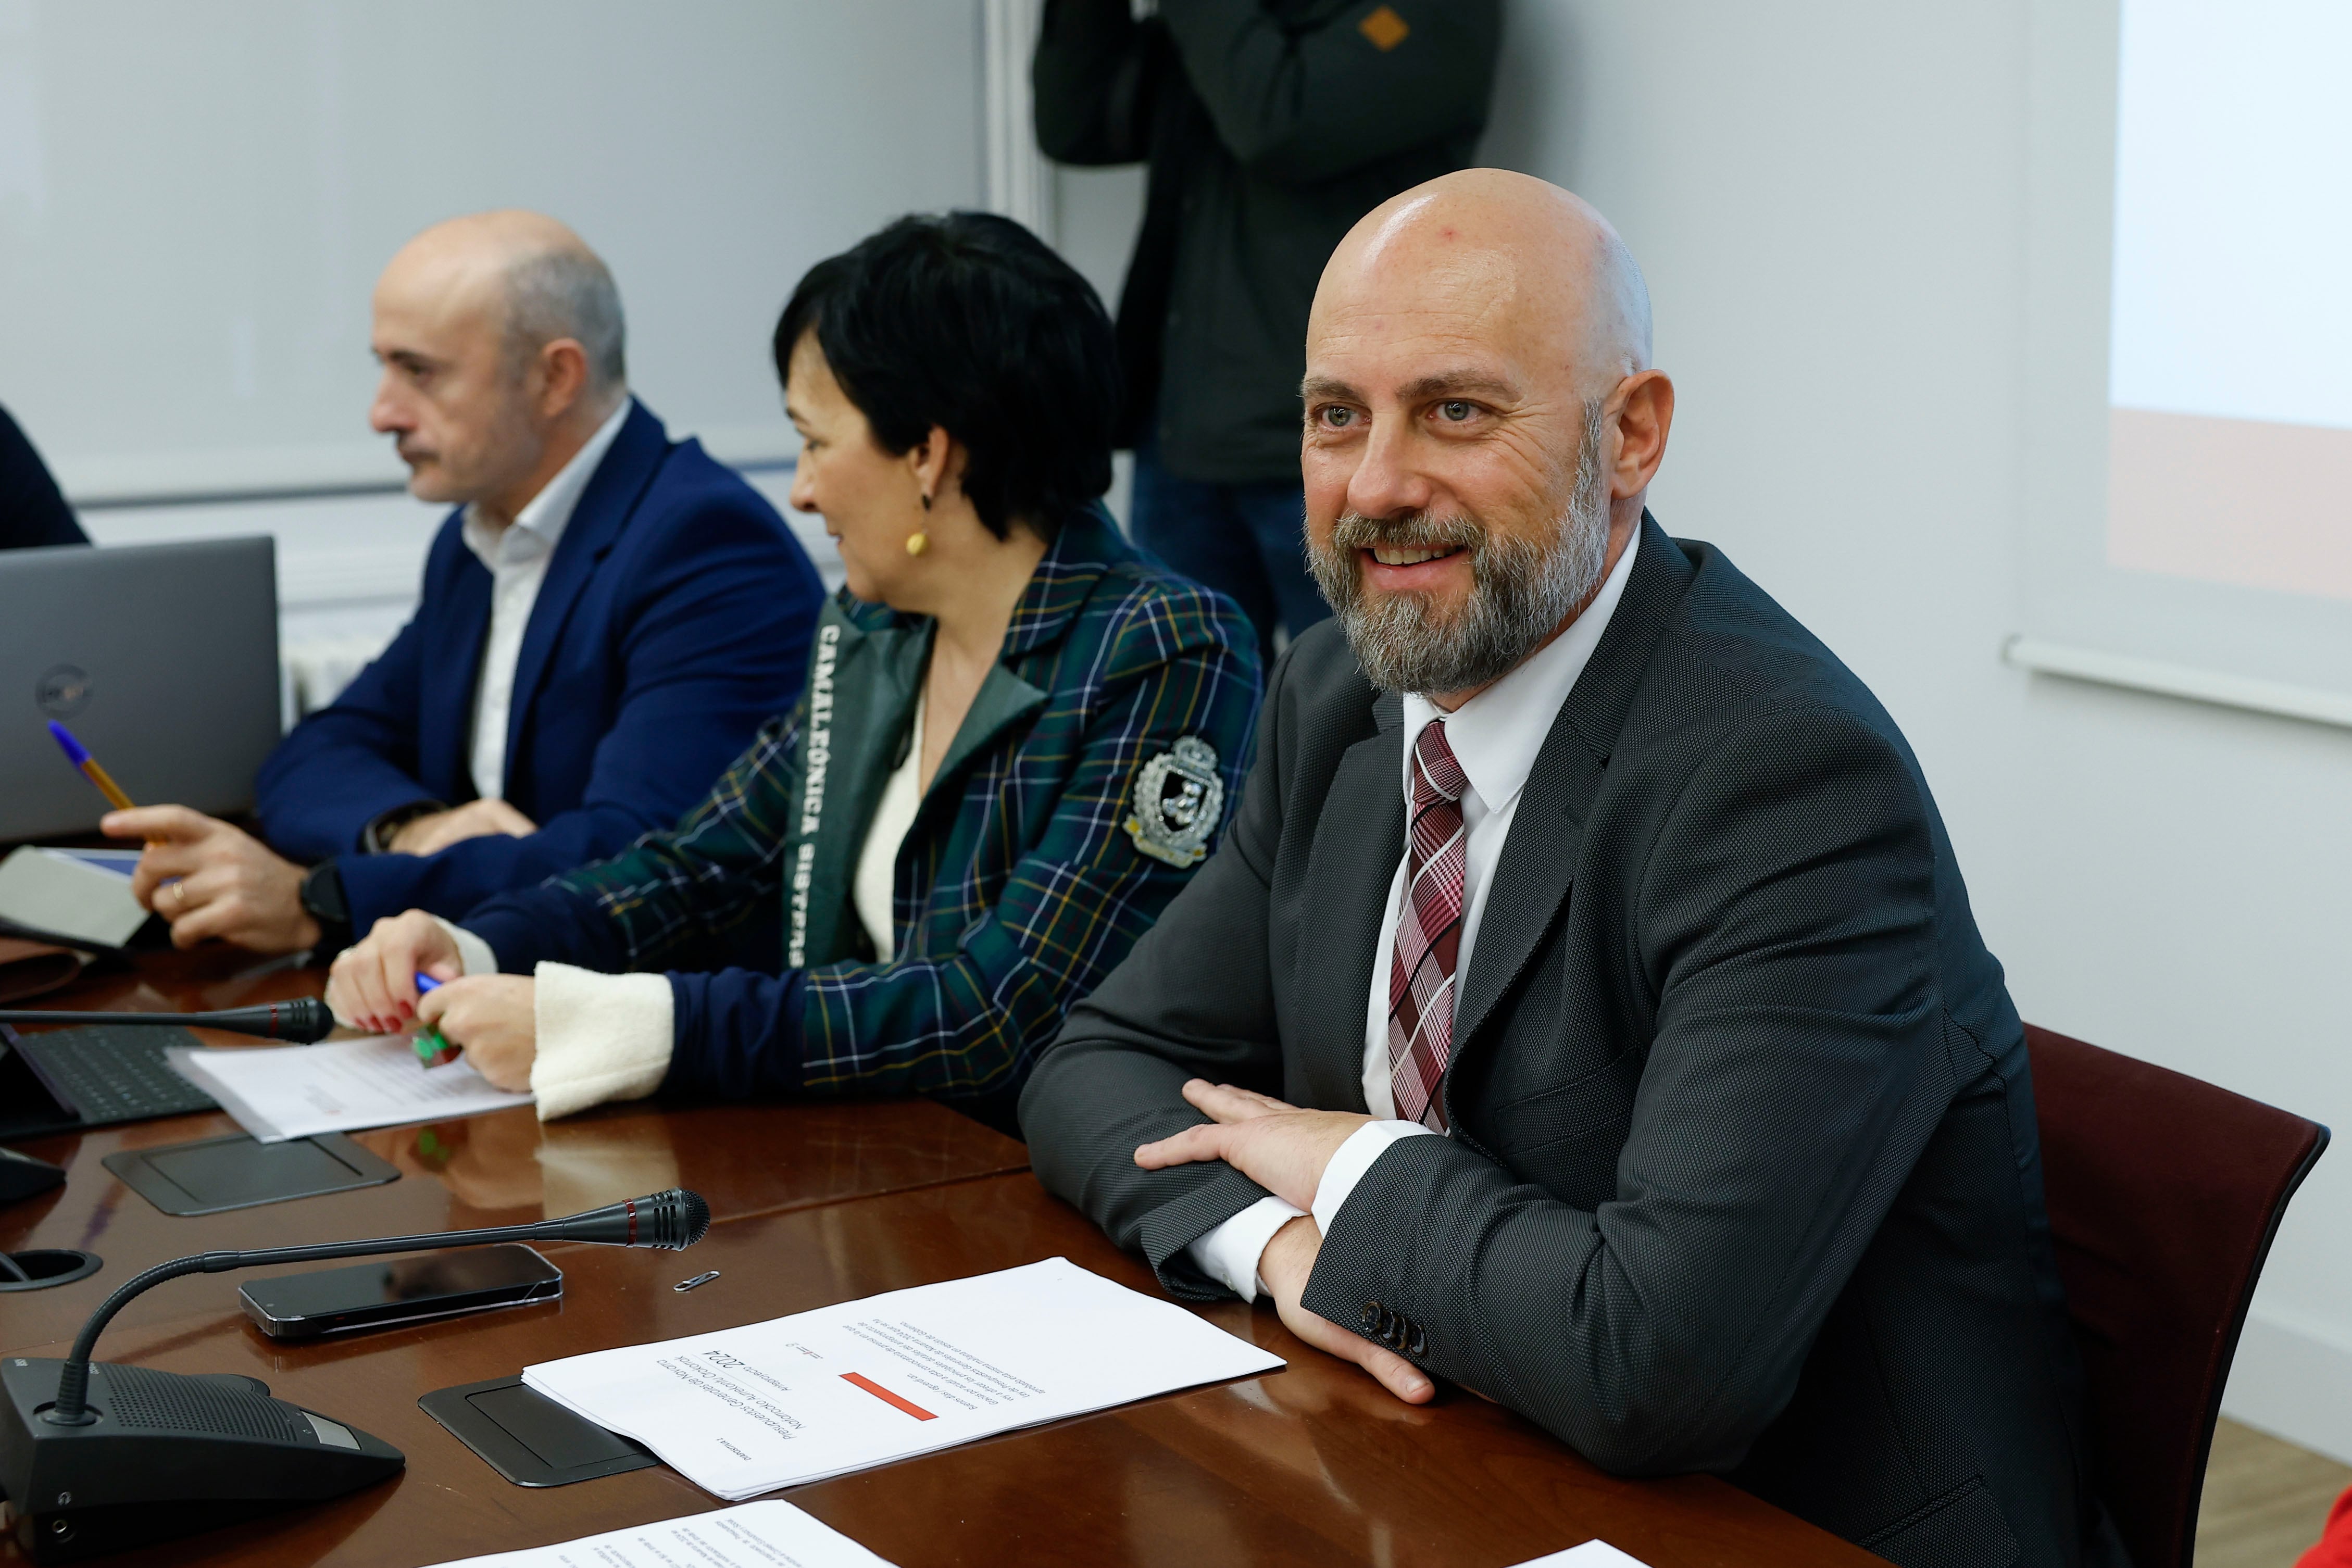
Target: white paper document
x,y
295,1091
756,1535
747,1410
82,895
1592,1554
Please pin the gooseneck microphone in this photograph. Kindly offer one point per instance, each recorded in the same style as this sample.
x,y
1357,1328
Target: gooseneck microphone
x,y
96,1458
305,1020
672,1221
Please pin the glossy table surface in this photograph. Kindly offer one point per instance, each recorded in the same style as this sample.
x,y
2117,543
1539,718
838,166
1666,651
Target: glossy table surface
x,y
1313,1464
500,1169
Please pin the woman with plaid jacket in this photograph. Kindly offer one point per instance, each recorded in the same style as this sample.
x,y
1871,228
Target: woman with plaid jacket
x,y
1017,738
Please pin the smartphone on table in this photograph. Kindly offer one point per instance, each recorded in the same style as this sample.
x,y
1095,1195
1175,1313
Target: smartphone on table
x,y
399,1291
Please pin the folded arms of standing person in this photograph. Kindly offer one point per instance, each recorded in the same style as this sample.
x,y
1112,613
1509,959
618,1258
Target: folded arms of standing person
x,y
1093,79
1302,94
1298,94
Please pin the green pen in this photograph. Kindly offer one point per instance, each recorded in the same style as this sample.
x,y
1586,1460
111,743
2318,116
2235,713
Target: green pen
x,y
431,1048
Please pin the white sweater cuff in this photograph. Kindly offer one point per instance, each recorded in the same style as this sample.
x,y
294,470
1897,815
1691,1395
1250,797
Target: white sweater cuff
x,y
1229,1254
601,1037
472,951
1353,1159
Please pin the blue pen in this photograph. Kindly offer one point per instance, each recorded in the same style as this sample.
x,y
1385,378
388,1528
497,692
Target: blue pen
x,y
431,1048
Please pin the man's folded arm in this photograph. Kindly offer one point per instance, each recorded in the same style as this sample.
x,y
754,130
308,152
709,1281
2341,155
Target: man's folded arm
x,y
668,893
719,646
1194,998
1787,918
349,763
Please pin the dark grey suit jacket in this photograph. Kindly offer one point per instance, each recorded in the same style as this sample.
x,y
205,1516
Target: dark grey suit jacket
x,y
1744,1178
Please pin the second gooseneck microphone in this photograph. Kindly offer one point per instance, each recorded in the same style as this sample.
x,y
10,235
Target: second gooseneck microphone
x,y
305,1020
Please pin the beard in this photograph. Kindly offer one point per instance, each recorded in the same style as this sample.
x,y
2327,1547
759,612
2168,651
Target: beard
x,y
1521,589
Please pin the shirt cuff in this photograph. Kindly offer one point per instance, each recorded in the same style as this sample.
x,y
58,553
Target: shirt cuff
x,y
376,835
1353,1159
1229,1254
472,951
601,1037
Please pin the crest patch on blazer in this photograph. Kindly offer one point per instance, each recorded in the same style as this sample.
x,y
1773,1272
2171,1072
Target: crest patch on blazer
x,y
1179,800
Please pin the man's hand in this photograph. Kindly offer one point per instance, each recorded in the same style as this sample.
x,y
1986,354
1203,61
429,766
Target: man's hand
x,y
474,819
493,1019
212,881
373,983
1279,1147
1285,1266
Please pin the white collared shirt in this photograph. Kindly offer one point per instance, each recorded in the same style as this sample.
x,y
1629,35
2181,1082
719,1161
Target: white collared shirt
x,y
1494,736
517,556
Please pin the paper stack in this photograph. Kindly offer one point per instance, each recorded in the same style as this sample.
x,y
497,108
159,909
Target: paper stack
x,y
296,1091
747,1410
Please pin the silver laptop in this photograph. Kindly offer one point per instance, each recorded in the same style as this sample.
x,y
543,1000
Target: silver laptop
x,y
162,658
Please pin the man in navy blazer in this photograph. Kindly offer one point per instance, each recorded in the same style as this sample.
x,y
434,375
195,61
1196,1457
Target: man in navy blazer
x,y
606,619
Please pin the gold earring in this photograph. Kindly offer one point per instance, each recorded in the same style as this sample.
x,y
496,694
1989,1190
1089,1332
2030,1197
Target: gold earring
x,y
919,541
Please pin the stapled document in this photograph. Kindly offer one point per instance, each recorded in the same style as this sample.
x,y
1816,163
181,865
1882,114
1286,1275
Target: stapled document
x,y
747,1410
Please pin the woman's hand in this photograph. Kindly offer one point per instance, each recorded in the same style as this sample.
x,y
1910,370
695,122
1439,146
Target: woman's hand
x,y
493,1019
372,985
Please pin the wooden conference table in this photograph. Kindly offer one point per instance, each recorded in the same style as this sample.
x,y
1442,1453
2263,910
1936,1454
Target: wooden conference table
x,y
815,1203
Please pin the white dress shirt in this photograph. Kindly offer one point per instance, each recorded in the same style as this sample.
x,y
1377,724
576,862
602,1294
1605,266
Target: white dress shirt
x,y
1494,736
873,892
517,556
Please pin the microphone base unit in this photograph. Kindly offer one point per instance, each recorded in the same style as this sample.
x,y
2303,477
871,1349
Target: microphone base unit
x,y
166,1454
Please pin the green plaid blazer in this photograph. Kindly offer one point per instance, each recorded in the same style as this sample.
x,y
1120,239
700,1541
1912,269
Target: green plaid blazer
x,y
1091,775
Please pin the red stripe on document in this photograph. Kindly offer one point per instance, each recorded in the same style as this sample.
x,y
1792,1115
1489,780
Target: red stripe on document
x,y
884,1394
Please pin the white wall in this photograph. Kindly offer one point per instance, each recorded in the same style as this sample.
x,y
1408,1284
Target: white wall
x,y
196,195
195,199
1096,214
1831,201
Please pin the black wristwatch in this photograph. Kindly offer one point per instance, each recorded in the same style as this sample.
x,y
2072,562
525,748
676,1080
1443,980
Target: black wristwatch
x,y
323,901
375,839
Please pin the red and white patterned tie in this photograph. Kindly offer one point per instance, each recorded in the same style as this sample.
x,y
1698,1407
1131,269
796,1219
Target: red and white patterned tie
x,y
1429,931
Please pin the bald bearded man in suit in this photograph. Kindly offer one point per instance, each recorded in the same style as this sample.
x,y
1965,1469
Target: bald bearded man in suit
x,y
1584,1007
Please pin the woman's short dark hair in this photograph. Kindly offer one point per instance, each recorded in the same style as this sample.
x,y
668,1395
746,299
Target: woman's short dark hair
x,y
968,322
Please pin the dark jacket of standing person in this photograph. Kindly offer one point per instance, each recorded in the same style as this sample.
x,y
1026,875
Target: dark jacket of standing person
x,y
32,509
1270,127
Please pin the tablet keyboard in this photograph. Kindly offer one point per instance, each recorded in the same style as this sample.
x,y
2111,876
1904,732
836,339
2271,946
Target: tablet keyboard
x,y
113,1073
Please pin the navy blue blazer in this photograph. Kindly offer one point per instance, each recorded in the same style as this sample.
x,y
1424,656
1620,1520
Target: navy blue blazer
x,y
675,616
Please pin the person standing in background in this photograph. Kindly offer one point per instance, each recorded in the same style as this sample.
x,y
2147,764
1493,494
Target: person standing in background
x,y
33,511
1270,127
